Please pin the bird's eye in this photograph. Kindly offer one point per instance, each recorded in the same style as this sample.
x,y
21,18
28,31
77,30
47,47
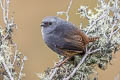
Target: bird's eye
x,y
46,23
50,23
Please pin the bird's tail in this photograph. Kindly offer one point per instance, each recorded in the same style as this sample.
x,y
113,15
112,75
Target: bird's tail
x,y
92,39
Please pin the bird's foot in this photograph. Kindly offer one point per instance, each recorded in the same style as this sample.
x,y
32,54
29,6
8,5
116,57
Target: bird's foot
x,y
62,62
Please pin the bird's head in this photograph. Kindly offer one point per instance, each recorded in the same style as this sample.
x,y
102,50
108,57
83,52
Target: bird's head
x,y
50,21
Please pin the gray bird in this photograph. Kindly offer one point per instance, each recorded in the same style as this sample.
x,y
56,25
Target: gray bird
x,y
63,37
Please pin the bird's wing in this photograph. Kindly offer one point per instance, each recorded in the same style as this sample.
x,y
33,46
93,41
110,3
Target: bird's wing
x,y
74,40
77,40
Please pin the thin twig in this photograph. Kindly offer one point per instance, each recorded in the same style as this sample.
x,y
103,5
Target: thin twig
x,y
6,68
54,71
99,18
15,54
68,10
22,67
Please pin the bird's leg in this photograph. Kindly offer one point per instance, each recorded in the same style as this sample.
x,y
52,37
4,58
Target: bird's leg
x,y
68,55
62,62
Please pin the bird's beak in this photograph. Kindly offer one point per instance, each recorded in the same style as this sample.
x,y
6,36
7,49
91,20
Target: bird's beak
x,y
42,24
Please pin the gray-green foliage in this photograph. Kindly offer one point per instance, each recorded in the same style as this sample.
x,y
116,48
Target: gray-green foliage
x,y
11,60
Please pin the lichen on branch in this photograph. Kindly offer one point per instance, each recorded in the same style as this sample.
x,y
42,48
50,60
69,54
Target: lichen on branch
x,y
11,60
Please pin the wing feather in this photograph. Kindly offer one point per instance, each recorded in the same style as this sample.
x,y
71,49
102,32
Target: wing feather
x,y
73,39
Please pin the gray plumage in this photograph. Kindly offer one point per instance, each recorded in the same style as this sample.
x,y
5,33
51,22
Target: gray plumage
x,y
62,36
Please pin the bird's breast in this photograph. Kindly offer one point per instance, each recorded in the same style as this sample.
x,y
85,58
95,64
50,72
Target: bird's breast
x,y
52,41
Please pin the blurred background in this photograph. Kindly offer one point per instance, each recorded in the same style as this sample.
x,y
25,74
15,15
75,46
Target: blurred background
x,y
28,15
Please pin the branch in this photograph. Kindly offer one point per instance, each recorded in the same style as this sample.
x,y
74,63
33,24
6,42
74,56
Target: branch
x,y
6,68
91,25
66,12
80,63
53,72
22,67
